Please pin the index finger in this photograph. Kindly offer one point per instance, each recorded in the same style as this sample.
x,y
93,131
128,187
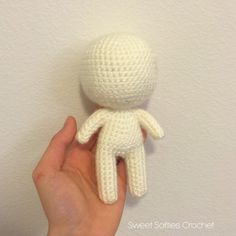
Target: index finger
x,y
54,155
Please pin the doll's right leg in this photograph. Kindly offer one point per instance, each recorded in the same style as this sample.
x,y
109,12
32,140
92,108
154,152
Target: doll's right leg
x,y
106,174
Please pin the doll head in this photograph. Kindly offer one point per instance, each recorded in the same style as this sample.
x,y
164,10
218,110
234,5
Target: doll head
x,y
118,71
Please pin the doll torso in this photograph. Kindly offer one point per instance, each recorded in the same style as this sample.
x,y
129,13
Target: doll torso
x,y
121,131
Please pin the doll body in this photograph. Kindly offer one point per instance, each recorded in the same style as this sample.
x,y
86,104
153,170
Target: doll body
x,y
120,136
118,73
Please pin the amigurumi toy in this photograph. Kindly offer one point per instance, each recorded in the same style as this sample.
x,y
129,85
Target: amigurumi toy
x,y
118,74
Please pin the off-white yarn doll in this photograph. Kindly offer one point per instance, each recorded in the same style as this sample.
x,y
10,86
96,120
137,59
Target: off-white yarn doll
x,y
118,73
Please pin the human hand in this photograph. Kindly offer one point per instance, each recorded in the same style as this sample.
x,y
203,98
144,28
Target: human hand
x,y
66,183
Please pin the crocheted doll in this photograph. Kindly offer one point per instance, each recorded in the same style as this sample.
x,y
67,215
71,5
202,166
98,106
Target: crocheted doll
x,y
118,73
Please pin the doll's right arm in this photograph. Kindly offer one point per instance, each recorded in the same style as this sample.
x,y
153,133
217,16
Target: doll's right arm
x,y
91,125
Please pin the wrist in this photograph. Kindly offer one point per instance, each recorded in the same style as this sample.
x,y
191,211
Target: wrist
x,y
64,231
74,231
85,228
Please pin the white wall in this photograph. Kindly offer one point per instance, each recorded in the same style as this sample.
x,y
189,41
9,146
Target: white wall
x,y
191,172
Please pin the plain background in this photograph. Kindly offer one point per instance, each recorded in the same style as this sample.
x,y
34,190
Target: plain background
x,y
191,172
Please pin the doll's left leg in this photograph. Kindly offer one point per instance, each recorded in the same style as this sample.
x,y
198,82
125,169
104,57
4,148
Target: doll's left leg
x,y
136,171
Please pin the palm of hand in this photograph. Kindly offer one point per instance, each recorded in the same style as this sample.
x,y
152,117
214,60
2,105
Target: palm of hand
x,y
66,182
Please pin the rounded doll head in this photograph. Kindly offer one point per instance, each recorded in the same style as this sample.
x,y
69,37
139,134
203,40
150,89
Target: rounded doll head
x,y
118,71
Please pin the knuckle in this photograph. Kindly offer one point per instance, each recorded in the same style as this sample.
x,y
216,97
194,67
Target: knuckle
x,y
38,174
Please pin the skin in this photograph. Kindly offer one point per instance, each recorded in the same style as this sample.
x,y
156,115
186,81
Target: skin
x,y
66,183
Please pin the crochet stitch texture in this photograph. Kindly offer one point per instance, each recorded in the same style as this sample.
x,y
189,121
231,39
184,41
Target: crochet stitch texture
x,y
118,73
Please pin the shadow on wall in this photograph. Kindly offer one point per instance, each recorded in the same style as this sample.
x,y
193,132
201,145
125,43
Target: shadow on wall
x,y
64,82
24,215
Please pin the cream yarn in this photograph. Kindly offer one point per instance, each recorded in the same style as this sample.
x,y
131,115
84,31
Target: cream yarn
x,y
118,73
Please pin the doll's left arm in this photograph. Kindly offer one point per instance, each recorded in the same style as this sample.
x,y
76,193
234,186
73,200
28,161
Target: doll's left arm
x,y
149,124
